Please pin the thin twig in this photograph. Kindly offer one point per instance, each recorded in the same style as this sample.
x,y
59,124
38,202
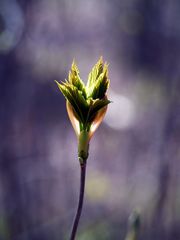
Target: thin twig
x,y
80,203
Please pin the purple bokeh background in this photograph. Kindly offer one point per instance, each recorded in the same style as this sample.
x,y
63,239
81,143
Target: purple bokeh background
x,y
134,155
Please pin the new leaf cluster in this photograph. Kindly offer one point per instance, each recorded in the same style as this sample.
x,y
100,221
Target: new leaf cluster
x,y
86,100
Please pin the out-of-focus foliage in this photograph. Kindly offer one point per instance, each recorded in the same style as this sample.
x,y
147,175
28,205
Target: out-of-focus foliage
x,y
134,157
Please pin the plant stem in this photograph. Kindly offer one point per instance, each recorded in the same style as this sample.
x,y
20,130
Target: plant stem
x,y
80,203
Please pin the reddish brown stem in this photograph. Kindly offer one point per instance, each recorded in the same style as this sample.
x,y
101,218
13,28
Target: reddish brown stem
x,y
80,203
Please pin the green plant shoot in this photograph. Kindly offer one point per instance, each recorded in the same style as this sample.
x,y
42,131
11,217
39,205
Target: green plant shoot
x,y
86,104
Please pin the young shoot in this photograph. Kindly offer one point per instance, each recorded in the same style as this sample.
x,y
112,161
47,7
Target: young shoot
x,y
86,106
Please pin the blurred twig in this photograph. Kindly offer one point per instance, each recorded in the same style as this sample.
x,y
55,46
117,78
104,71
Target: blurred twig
x,y
134,225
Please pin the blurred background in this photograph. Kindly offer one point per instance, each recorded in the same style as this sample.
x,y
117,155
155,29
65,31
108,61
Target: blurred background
x,y
134,155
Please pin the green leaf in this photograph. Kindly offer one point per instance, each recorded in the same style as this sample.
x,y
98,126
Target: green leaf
x,y
101,86
75,80
96,105
70,96
100,83
95,72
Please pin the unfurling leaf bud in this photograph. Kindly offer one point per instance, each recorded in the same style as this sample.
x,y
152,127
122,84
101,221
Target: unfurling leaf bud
x,y
86,105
